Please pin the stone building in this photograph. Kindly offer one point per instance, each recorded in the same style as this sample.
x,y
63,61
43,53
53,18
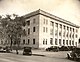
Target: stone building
x,y
44,29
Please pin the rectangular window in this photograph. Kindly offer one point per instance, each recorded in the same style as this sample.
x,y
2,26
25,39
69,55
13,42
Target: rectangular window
x,y
64,34
33,29
67,28
34,20
60,26
43,41
76,35
33,41
60,33
64,27
28,31
56,25
59,41
24,41
56,32
46,41
51,41
70,42
52,23
73,29
46,29
51,31
63,42
28,22
46,22
56,42
43,29
28,41
76,30
67,42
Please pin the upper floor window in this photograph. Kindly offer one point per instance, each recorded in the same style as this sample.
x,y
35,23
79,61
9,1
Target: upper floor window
x,y
46,29
34,29
1,42
76,35
51,31
28,31
60,26
73,29
24,41
43,29
67,28
76,30
46,22
64,27
56,24
52,23
70,29
34,20
28,22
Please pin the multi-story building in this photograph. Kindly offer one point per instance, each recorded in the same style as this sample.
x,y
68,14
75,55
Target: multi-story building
x,y
44,29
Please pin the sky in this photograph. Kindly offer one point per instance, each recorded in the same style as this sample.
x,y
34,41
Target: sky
x,y
66,9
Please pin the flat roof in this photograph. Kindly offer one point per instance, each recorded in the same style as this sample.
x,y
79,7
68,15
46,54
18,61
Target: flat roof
x,y
37,12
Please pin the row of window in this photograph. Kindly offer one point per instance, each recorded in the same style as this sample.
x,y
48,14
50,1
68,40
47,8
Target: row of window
x,y
56,42
45,29
60,26
24,42
34,29
28,22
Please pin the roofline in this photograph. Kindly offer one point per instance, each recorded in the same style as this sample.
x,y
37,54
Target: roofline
x,y
50,16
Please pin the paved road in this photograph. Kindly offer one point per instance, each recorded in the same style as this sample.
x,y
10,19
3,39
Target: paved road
x,y
38,56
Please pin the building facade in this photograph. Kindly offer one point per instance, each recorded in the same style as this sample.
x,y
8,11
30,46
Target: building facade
x,y
44,30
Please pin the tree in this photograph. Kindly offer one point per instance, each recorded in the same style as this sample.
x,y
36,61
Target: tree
x,y
13,28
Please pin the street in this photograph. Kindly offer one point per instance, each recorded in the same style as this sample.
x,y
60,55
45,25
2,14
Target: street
x,y
38,56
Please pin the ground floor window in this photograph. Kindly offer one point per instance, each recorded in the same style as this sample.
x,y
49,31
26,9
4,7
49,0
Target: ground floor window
x,y
63,42
59,41
51,41
70,42
44,41
28,41
33,41
56,43
66,42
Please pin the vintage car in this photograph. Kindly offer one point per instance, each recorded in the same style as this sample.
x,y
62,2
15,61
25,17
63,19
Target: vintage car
x,y
27,51
53,48
64,48
74,54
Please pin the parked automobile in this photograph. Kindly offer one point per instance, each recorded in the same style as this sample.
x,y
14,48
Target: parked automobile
x,y
74,54
64,48
2,49
8,49
27,51
53,48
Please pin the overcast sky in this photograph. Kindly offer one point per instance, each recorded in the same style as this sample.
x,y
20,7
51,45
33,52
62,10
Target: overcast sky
x,y
66,9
